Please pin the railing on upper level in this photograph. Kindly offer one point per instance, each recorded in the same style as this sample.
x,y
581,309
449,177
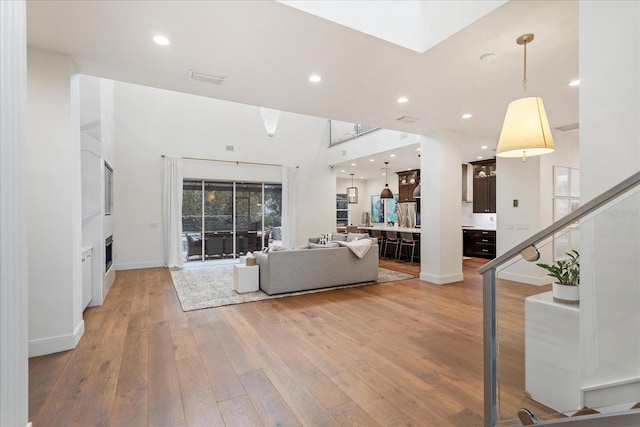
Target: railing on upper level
x,y
344,131
568,364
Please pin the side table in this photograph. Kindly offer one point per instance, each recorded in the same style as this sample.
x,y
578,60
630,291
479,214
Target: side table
x,y
245,278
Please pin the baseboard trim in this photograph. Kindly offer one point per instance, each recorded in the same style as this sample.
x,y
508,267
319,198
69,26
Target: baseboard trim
x,y
441,280
138,265
522,278
56,344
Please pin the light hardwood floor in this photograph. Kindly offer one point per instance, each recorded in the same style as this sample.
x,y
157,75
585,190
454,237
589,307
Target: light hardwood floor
x,y
400,353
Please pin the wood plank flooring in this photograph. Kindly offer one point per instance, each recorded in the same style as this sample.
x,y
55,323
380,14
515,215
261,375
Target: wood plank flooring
x,y
399,353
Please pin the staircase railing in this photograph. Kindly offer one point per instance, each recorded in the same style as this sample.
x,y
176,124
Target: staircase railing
x,y
590,214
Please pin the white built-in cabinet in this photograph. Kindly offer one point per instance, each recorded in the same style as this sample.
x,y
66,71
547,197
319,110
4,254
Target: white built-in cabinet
x,y
97,156
87,279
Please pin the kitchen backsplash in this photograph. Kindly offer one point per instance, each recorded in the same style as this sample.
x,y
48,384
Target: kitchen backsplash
x,y
482,220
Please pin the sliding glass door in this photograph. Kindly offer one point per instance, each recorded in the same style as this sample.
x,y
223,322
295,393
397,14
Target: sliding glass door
x,y
218,220
227,219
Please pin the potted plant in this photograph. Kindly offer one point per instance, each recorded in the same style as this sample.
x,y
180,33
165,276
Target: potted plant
x,y
567,273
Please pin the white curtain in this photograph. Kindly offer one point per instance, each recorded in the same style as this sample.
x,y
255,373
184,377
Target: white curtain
x,y
172,211
288,206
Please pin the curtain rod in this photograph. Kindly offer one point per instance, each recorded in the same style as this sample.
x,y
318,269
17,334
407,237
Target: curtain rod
x,y
237,162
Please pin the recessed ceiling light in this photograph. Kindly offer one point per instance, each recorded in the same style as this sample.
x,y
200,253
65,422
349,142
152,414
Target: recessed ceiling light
x,y
479,157
315,78
383,173
488,57
353,164
372,160
161,40
342,170
403,100
418,149
484,147
362,177
574,83
466,116
392,155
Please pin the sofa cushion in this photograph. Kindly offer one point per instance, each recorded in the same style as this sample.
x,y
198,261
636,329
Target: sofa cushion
x,y
320,246
356,236
340,237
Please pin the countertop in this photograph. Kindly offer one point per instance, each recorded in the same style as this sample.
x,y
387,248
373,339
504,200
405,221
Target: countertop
x,y
389,228
478,227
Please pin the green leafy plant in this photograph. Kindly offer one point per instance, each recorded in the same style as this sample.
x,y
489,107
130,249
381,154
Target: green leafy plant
x,y
567,271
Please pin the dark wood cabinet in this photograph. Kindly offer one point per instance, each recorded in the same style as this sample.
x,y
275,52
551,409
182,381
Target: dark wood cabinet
x,y
479,243
407,182
484,186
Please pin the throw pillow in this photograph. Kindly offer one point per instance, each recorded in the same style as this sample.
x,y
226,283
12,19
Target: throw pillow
x,y
324,238
340,237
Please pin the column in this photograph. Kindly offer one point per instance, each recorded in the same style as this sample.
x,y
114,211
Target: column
x,y
14,397
441,191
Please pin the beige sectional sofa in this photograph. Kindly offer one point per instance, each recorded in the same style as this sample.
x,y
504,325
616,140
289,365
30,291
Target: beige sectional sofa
x,y
304,269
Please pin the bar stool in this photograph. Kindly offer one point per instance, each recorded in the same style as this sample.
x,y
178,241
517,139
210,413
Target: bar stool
x,y
377,234
407,240
392,239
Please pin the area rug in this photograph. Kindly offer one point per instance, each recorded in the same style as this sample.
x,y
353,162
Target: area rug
x,y
206,287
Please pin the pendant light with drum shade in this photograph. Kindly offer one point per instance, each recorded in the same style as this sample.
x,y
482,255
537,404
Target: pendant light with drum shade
x,y
352,192
525,131
386,192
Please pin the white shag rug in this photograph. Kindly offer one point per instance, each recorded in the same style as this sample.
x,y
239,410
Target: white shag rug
x,y
206,287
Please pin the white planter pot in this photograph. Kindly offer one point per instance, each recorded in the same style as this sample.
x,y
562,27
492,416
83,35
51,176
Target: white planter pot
x,y
566,294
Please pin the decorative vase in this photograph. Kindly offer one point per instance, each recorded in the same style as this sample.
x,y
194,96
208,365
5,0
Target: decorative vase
x,y
566,294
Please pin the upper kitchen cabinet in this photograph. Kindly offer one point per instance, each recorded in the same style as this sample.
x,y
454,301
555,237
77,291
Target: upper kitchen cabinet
x,y
407,182
484,186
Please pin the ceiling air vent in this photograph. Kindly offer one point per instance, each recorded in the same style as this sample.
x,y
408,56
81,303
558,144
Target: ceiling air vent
x,y
566,128
407,119
216,80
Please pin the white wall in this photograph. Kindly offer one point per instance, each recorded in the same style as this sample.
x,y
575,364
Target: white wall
x,y
531,183
152,122
366,189
54,204
610,152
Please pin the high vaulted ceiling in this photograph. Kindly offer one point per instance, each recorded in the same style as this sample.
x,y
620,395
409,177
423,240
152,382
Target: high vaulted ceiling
x,y
267,50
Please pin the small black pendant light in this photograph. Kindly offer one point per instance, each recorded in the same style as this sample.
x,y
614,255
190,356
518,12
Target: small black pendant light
x,y
352,192
386,193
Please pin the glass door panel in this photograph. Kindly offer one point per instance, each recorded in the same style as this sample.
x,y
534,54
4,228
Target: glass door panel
x,y
248,218
192,220
218,219
272,211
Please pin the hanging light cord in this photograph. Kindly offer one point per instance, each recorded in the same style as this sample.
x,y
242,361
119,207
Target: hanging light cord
x,y
524,79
